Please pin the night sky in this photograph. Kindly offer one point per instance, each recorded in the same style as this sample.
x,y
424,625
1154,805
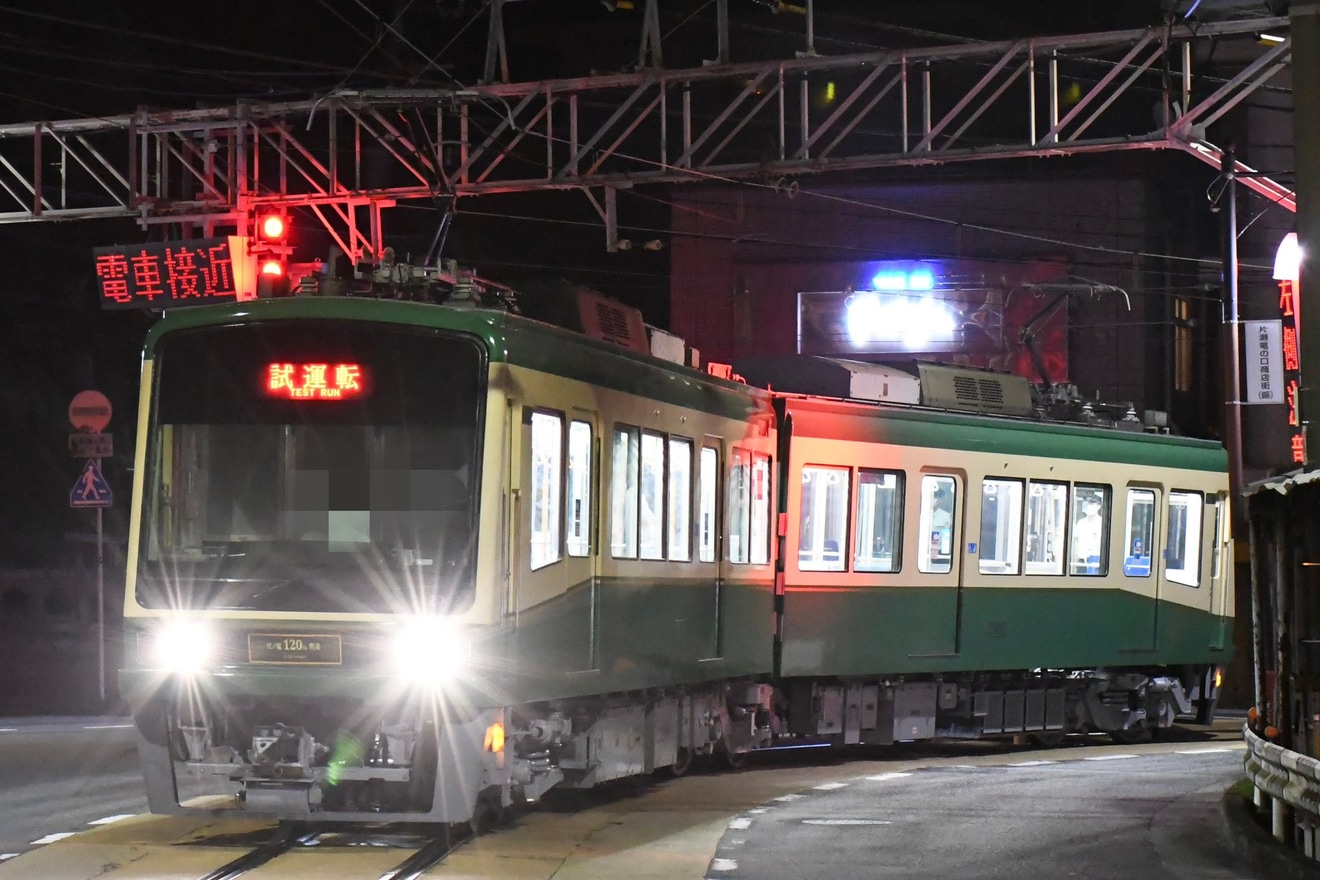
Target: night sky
x,y
65,59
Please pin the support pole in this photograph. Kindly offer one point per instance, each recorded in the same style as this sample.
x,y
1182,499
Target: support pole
x,y
100,602
1232,342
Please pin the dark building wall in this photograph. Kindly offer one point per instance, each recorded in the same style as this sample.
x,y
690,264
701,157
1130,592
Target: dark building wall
x,y
729,298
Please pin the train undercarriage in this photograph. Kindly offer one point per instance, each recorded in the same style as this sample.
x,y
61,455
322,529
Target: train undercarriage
x,y
427,760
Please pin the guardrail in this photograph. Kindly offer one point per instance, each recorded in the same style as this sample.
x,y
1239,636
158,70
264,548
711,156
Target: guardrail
x,y
1289,781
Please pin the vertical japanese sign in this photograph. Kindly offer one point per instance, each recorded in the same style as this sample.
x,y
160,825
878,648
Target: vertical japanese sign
x,y
1262,348
165,274
1292,374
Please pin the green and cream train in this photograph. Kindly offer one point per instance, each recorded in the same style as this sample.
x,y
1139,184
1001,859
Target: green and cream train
x,y
399,561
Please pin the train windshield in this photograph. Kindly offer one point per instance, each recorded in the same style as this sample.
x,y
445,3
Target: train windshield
x,y
312,466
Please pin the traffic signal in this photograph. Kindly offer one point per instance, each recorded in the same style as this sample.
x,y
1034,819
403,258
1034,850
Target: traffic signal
x,y
272,254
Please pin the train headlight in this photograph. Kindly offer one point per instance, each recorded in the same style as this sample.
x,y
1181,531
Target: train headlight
x,y
183,646
430,651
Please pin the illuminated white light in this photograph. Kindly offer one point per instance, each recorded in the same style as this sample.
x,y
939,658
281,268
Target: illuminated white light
x,y
911,322
430,650
184,646
1288,259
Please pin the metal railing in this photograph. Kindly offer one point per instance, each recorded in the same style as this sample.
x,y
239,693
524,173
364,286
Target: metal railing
x,y
1289,781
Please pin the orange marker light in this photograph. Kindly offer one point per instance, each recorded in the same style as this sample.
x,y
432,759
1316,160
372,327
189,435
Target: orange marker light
x,y
272,227
495,737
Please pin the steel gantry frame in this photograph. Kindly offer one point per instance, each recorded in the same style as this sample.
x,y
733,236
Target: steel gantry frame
x,y
348,155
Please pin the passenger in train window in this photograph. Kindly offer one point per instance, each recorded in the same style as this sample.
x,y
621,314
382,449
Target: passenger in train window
x,y
1088,534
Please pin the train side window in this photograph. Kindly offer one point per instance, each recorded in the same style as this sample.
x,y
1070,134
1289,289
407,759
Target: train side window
x,y
823,524
678,508
1090,537
1182,561
1047,506
1140,532
938,502
547,493
623,492
760,514
879,520
709,482
737,505
578,541
1001,526
651,522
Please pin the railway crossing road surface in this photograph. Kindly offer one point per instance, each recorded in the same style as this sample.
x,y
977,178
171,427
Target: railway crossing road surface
x,y
895,812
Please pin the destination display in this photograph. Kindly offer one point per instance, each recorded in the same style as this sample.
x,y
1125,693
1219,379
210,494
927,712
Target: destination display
x,y
316,381
165,274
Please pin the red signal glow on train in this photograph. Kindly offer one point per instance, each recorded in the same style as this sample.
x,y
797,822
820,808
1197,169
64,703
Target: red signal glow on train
x,y
324,381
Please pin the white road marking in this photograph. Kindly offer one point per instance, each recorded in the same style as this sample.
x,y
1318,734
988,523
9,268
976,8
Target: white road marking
x,y
884,777
1032,763
742,823
107,726
758,811
108,819
51,838
789,797
1209,751
7,856
723,865
8,730
1110,757
845,822
830,786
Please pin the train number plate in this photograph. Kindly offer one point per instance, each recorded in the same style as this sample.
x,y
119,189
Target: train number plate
x,y
289,649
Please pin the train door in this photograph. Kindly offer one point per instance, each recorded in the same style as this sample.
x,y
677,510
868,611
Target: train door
x,y
941,504
710,557
1139,548
1221,569
1186,583
552,555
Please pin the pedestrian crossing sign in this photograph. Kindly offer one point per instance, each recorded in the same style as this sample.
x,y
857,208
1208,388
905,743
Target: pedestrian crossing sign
x,y
91,489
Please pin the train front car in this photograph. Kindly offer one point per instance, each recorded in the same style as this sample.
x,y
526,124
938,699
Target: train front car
x,y
302,604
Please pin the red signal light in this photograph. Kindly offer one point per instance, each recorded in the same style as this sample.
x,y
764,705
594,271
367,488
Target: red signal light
x,y
272,267
273,227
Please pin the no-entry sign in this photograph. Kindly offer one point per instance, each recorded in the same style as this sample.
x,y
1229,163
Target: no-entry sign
x,y
90,411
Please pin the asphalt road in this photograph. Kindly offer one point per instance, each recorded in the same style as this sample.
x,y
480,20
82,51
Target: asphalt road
x,y
59,775
1116,815
966,810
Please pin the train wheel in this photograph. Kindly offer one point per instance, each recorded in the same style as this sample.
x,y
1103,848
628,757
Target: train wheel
x,y
682,761
486,816
733,760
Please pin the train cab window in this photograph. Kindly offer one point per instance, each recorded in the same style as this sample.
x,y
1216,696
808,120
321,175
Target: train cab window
x,y
1001,526
578,539
708,503
879,520
760,514
650,527
678,510
623,492
739,504
1047,505
547,493
1090,535
936,521
823,523
1182,559
1140,532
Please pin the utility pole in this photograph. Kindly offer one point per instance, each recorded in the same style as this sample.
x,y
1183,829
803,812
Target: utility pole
x,y
1232,337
